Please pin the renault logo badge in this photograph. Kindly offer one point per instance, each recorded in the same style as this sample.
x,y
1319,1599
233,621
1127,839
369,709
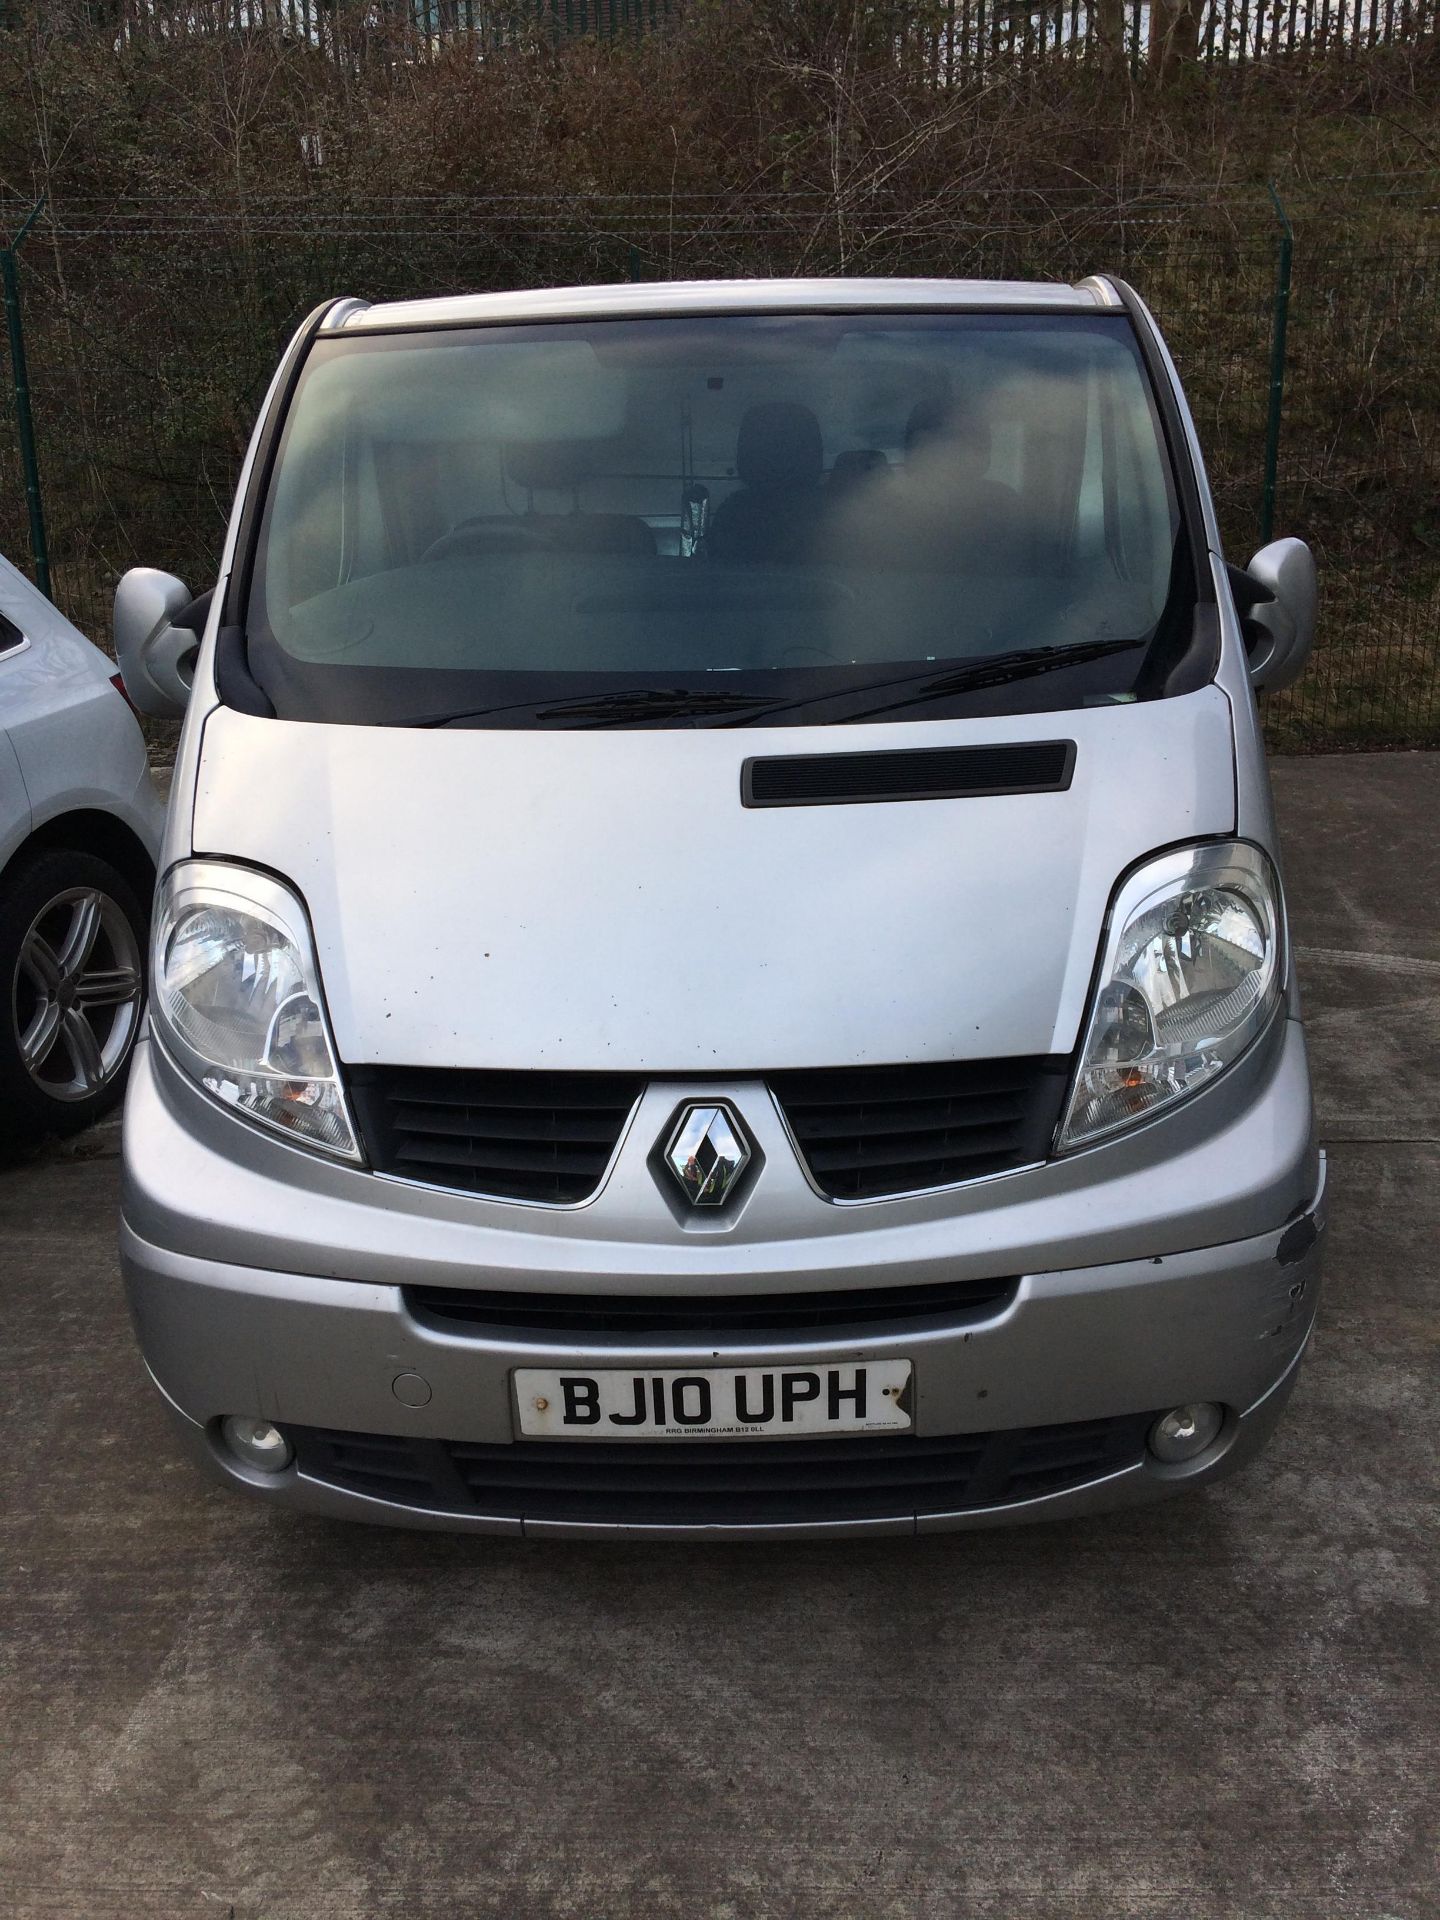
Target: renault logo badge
x,y
707,1154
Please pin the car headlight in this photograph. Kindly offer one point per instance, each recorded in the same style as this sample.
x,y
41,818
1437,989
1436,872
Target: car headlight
x,y
236,993
1190,973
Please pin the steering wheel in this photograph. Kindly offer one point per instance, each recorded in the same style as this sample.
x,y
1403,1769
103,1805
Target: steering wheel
x,y
490,537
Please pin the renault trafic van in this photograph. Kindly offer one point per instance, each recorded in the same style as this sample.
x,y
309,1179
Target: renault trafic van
x,y
719,962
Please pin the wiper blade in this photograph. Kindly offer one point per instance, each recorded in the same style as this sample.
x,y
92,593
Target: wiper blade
x,y
996,670
626,704
1001,668
613,709
453,714
652,703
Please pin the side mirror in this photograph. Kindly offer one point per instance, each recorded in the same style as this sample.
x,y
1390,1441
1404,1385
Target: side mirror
x,y
155,651
1282,592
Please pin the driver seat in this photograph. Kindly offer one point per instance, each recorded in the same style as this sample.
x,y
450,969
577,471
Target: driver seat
x,y
774,514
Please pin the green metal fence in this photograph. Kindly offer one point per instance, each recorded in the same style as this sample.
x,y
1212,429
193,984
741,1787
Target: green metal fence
x,y
1313,367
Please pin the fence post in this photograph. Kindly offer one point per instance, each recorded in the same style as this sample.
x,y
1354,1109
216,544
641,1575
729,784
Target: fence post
x,y
24,426
1277,366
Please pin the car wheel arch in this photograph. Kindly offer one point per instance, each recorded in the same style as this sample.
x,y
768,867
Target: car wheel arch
x,y
90,830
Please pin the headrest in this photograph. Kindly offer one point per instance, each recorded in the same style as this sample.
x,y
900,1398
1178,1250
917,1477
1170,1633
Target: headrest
x,y
550,466
950,424
779,445
854,467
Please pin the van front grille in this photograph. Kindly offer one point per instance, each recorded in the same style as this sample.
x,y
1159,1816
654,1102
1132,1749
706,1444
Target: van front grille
x,y
722,1482
865,1132
546,1137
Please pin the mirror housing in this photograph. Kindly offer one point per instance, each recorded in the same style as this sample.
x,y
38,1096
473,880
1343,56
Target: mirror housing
x,y
156,653
1279,622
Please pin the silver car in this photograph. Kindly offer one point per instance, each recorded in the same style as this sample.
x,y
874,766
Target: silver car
x,y
80,825
720,963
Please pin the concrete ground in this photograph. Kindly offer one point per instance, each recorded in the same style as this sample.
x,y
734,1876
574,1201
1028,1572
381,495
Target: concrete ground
x,y
1225,1706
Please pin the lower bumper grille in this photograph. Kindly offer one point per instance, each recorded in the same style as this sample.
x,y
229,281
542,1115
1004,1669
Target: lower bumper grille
x,y
642,1316
722,1483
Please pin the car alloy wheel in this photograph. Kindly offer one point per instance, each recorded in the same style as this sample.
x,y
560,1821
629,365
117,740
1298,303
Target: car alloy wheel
x,y
77,994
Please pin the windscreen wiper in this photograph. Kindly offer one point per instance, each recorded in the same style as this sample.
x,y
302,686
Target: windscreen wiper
x,y
996,670
652,703
612,709
626,703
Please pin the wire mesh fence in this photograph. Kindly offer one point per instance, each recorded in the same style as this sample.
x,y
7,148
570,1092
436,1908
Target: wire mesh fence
x,y
153,327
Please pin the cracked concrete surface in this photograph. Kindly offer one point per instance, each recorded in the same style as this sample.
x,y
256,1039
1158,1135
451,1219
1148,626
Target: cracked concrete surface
x,y
1225,1706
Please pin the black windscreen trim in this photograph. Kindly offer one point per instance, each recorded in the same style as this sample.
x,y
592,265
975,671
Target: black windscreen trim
x,y
1172,426
911,773
237,591
234,682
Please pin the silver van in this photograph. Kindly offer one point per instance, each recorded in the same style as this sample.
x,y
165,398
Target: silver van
x,y
720,964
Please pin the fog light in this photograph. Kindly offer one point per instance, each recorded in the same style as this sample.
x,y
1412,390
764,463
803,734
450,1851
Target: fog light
x,y
257,1443
1186,1431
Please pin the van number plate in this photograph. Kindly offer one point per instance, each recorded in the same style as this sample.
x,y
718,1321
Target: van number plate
x,y
718,1403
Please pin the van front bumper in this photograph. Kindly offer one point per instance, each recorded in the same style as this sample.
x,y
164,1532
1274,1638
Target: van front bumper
x,y
1069,1354
265,1282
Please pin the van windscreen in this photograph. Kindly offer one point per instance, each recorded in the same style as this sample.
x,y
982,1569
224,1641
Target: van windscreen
x,y
712,520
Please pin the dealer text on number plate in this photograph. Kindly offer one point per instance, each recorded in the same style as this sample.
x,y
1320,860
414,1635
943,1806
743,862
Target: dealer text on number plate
x,y
716,1403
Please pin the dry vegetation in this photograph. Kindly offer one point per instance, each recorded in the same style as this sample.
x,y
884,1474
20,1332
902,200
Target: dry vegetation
x,y
202,196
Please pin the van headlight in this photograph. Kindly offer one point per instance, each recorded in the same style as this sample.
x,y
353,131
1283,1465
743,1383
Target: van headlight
x,y
1191,971
236,995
